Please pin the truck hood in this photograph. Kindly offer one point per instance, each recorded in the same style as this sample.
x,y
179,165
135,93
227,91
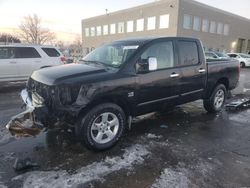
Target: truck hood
x,y
64,74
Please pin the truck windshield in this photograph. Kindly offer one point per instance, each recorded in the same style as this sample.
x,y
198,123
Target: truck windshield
x,y
113,55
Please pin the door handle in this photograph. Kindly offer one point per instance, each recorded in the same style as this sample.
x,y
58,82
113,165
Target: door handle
x,y
174,75
201,70
12,62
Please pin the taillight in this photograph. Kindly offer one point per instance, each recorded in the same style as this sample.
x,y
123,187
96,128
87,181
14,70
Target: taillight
x,y
63,60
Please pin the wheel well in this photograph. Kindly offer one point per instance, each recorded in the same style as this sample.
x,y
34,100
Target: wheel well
x,y
45,67
223,81
109,99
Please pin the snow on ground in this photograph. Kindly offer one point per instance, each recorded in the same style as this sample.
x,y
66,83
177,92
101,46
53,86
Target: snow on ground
x,y
171,179
1,183
133,155
153,136
183,177
5,136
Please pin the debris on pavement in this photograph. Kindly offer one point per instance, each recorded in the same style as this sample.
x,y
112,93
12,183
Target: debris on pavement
x,y
22,125
238,105
24,164
163,126
153,136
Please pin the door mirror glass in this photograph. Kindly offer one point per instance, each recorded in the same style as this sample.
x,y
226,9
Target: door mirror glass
x,y
152,64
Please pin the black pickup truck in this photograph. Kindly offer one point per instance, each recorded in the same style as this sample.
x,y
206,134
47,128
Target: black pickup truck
x,y
121,80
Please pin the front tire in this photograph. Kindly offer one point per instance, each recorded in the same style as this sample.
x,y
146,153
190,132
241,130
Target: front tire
x,y
217,100
101,127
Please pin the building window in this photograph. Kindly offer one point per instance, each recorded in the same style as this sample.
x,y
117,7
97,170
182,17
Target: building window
x,y
205,25
140,25
187,23
164,21
213,27
98,31
226,29
197,23
112,29
120,27
151,23
105,29
220,28
130,26
86,32
92,31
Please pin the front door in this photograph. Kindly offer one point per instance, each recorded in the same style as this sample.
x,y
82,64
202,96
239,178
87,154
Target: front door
x,y
159,87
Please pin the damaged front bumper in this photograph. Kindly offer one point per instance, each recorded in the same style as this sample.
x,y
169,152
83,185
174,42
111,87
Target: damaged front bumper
x,y
25,123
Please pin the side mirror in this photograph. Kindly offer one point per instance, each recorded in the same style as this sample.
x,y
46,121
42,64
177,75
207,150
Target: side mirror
x,y
152,64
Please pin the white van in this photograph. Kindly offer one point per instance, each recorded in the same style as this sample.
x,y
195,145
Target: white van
x,y
18,61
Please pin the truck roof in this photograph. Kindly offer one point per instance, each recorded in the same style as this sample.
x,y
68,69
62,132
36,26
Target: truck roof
x,y
151,38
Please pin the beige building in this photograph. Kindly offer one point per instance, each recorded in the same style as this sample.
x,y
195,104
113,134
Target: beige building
x,y
218,30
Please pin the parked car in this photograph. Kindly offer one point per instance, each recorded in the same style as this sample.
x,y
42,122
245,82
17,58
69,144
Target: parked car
x,y
244,59
122,80
18,61
216,55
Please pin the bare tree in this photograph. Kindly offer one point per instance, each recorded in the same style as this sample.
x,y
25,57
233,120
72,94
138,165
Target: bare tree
x,y
8,38
32,31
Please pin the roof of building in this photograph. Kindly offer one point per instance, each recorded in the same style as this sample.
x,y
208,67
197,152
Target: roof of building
x,y
163,1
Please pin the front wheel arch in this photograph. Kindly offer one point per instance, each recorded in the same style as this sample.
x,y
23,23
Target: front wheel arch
x,y
85,122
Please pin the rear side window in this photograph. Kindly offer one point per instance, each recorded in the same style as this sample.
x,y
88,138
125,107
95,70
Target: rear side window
x,y
188,53
26,52
7,53
232,55
51,52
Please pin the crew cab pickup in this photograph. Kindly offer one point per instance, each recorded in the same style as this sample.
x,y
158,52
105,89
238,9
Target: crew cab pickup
x,y
121,80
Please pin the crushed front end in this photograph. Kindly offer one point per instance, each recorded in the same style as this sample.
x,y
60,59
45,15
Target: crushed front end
x,y
46,107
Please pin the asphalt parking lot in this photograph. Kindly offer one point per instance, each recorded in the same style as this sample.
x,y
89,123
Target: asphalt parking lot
x,y
183,148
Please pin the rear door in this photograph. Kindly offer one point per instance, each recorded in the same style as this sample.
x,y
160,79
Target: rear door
x,y
27,59
8,64
52,56
161,86
193,69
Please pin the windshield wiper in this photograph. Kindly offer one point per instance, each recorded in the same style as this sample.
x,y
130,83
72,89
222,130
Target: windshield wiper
x,y
100,63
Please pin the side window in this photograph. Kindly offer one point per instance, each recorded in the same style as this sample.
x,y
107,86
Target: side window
x,y
26,52
51,52
232,55
7,53
163,52
188,53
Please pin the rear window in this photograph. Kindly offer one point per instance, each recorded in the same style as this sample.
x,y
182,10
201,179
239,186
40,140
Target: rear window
x,y
188,53
51,52
7,53
26,52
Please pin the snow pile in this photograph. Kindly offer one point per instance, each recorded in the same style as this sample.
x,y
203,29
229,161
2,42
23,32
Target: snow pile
x,y
171,179
191,176
95,171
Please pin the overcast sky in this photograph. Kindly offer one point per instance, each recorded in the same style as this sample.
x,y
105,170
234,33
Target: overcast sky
x,y
65,15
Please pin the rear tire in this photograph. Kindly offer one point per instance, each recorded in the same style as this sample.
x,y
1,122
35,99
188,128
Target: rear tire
x,y
217,99
242,65
101,127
